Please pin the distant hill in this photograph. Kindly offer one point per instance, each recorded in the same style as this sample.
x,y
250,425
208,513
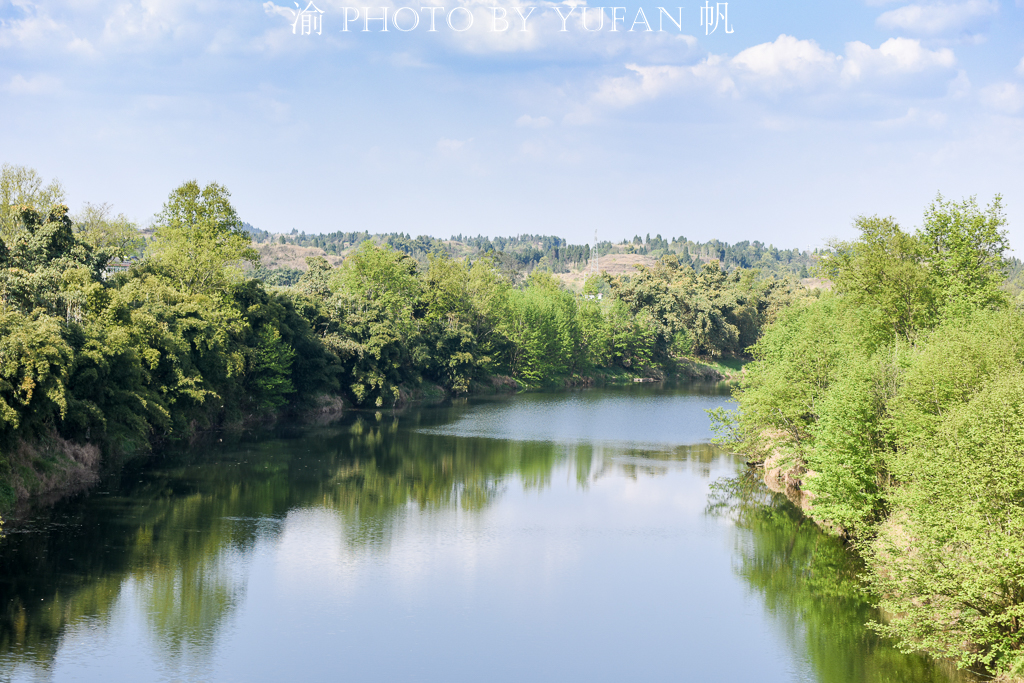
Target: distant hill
x,y
283,255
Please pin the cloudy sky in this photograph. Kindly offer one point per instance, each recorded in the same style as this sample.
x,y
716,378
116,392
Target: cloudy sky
x,y
805,114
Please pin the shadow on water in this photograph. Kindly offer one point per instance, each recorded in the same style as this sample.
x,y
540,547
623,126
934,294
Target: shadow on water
x,y
169,539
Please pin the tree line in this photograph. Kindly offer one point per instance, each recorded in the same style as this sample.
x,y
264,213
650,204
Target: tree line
x,y
186,339
897,404
526,252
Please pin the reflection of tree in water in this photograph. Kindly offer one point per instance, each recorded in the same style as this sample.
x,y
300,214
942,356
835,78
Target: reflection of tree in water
x,y
652,463
378,470
809,583
166,550
171,537
186,606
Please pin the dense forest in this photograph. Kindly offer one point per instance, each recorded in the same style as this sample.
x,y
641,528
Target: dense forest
x,y
893,408
111,342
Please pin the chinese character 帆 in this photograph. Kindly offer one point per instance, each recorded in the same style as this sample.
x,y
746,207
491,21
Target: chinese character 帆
x,y
710,14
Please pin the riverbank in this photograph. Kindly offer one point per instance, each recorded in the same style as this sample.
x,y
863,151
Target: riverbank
x,y
45,467
50,467
787,476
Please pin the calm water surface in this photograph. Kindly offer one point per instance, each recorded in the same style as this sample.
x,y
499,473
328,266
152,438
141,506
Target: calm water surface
x,y
552,537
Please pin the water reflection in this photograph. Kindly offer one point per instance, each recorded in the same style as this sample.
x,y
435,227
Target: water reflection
x,y
809,583
168,537
494,517
635,416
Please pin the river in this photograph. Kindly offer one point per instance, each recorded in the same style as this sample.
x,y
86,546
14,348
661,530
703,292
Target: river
x,y
571,536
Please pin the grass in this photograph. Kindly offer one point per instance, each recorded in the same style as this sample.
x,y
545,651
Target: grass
x,y
730,366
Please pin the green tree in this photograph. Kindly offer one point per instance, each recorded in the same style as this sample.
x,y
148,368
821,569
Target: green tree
x,y
116,236
199,241
965,249
632,337
375,295
950,563
316,281
661,295
884,276
898,398
795,363
22,186
849,446
34,365
451,357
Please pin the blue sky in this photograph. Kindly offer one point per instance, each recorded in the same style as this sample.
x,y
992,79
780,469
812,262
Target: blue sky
x,y
805,116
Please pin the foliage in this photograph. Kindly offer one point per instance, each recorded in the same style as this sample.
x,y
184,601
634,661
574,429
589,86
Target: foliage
x,y
186,339
34,368
113,235
795,364
708,313
22,186
884,277
900,396
160,351
951,563
394,323
453,358
965,248
519,255
849,446
199,240
374,294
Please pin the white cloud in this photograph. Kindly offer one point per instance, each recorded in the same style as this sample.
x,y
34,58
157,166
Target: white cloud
x,y
481,39
786,63
894,57
35,85
31,30
226,26
82,47
144,23
649,82
1004,97
1020,67
936,18
37,29
527,121
959,87
273,10
128,21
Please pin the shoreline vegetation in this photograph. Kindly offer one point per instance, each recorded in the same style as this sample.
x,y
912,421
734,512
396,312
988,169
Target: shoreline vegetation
x,y
892,413
115,341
